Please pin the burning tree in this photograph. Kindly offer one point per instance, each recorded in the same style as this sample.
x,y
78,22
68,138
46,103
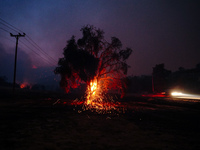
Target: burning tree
x,y
96,62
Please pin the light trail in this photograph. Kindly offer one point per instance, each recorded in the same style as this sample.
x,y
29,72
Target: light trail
x,y
185,96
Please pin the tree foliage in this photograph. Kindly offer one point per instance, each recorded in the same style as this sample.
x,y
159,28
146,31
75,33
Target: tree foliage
x,y
91,57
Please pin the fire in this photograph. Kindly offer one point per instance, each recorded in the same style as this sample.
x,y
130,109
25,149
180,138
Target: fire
x,y
92,92
25,85
22,86
96,98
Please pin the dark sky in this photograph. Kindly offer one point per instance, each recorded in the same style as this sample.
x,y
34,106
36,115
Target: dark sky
x,y
158,31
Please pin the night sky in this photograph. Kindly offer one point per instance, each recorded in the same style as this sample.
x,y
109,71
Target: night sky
x,y
158,31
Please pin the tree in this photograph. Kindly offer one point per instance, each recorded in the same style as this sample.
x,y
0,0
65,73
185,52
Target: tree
x,y
92,57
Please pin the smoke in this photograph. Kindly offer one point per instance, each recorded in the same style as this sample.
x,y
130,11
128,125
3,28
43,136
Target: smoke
x,y
26,71
7,64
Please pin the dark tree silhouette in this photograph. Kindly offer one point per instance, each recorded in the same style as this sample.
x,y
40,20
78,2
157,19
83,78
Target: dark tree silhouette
x,y
93,57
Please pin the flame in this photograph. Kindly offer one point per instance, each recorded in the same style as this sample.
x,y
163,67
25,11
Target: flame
x,y
25,85
22,85
92,92
96,98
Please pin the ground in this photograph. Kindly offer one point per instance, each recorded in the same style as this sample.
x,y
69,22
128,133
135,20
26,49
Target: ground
x,y
47,121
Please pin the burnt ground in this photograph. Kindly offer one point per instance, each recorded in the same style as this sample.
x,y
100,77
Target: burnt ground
x,y
32,120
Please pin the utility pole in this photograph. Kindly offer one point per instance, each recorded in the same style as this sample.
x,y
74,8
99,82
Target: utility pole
x,y
15,65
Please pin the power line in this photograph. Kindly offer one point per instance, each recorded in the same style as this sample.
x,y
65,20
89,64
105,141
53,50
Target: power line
x,y
4,30
47,61
27,46
34,44
41,49
38,48
8,27
11,25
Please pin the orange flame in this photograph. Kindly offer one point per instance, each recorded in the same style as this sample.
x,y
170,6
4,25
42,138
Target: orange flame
x,y
92,92
96,98
22,86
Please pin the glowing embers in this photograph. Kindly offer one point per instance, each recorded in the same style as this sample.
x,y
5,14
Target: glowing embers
x,y
25,85
22,86
96,99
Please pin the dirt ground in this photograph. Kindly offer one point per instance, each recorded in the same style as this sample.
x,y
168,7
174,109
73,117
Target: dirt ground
x,y
37,122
